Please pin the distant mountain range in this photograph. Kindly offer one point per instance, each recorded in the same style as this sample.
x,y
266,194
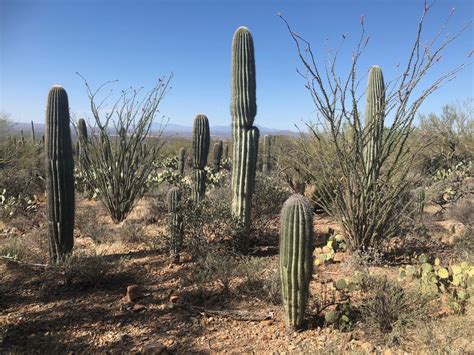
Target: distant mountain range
x,y
170,130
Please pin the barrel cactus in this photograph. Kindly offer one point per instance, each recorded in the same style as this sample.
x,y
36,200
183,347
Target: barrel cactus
x,y
374,121
175,224
201,141
59,175
181,160
217,150
245,135
296,235
267,146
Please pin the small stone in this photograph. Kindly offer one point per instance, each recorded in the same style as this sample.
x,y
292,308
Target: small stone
x,y
138,307
133,293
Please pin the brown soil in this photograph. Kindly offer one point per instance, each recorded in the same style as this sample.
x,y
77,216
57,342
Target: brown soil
x,y
170,314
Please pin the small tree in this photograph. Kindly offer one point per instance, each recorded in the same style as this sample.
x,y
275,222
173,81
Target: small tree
x,y
367,179
116,161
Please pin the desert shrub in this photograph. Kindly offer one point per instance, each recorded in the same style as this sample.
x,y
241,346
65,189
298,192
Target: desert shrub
x,y
119,155
448,137
82,269
388,310
131,232
88,224
268,198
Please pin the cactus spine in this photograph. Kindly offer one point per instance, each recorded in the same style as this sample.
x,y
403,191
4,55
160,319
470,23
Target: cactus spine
x,y
173,199
296,234
374,121
59,175
201,141
217,150
267,146
245,135
181,160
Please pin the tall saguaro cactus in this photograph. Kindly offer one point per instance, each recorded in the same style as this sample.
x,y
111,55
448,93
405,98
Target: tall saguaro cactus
x,y
33,136
59,175
267,146
83,137
173,199
296,234
217,151
181,160
245,135
201,141
374,121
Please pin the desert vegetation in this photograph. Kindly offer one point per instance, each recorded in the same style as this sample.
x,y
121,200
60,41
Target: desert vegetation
x,y
353,235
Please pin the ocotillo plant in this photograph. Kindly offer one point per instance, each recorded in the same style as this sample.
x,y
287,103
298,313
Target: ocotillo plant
x,y
59,175
173,199
217,150
267,146
245,135
181,160
33,137
296,235
201,139
374,121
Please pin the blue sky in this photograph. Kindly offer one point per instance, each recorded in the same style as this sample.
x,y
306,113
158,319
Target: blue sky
x,y
44,42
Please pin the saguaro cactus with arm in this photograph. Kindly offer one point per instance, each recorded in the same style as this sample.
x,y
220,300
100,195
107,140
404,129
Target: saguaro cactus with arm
x,y
245,135
59,175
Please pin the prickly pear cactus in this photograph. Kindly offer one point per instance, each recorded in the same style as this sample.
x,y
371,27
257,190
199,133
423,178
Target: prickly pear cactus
x,y
296,266
245,135
175,224
181,160
374,121
201,141
59,175
217,150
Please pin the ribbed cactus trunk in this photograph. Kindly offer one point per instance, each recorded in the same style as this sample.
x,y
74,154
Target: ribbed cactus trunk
x,y
201,141
296,266
33,136
419,202
245,135
82,139
226,151
267,157
181,160
374,122
175,223
59,175
217,151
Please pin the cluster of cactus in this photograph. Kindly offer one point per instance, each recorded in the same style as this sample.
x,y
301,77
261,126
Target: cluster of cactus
x,y
374,122
296,266
335,243
175,222
201,141
59,175
457,280
181,160
245,135
217,151
267,154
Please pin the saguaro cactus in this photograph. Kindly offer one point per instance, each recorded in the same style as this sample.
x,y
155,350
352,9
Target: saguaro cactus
x,y
217,150
175,222
226,152
245,135
33,136
374,121
59,175
201,141
181,160
296,235
267,146
419,202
